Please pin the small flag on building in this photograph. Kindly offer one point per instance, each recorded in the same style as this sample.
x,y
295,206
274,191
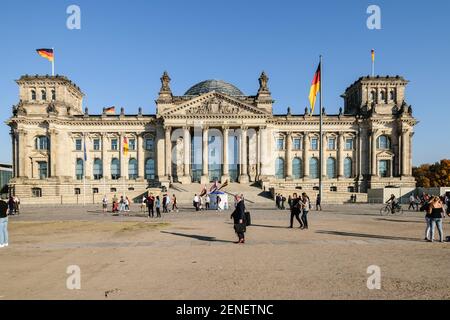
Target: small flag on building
x,y
110,110
315,88
46,53
125,146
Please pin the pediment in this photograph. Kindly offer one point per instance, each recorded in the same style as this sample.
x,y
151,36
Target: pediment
x,y
386,154
214,103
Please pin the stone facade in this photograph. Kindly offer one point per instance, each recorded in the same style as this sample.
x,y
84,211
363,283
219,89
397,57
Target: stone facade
x,y
212,132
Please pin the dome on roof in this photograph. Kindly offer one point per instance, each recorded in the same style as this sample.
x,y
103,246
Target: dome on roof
x,y
213,85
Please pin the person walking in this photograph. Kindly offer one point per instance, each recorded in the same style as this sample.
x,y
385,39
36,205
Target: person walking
x,y
127,204
174,203
306,205
295,212
196,202
412,202
16,205
238,217
3,224
150,205
11,206
289,201
436,210
318,203
277,201
218,200
158,207
207,202
283,200
105,204
164,203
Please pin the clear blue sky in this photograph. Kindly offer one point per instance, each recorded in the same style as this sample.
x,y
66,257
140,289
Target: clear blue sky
x,y
123,47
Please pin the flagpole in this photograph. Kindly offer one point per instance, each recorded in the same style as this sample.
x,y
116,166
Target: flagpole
x,y
320,133
53,62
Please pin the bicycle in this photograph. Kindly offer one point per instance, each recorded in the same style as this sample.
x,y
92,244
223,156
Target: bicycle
x,y
387,209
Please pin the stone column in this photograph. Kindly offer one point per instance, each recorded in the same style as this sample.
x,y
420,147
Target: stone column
x,y
373,153
258,153
168,149
226,165
106,165
13,142
53,152
264,159
23,152
305,156
341,156
404,152
205,165
244,165
186,179
288,160
140,156
410,136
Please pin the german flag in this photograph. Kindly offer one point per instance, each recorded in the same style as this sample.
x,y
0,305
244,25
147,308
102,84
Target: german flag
x,y
109,110
125,146
46,53
373,55
315,87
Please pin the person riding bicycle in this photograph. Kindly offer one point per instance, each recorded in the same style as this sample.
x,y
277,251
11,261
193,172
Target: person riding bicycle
x,y
393,202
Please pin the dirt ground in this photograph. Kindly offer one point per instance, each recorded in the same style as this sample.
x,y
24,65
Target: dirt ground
x,y
189,255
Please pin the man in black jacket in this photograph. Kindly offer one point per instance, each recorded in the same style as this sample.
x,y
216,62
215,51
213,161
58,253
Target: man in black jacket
x,y
238,217
3,224
295,210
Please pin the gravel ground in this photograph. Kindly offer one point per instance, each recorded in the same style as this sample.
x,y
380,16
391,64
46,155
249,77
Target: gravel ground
x,y
190,255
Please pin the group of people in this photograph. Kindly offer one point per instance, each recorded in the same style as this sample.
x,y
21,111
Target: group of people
x,y
300,205
155,203
13,205
204,203
280,201
121,205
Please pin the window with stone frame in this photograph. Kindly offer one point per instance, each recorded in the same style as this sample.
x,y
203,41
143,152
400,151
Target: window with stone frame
x,y
78,144
96,144
348,144
149,144
297,143
314,143
132,144
331,143
114,144
280,144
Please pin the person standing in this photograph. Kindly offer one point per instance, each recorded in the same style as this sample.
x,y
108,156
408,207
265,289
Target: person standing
x,y
306,205
3,224
412,202
150,205
318,203
238,217
218,200
277,201
11,206
295,212
16,205
143,205
289,201
207,201
174,203
164,203
105,204
158,207
436,210
283,200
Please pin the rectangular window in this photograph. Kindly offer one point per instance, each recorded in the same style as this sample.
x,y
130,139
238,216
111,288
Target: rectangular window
x,y
149,144
77,191
94,190
314,144
114,144
132,144
96,144
280,144
349,144
113,190
297,143
384,168
331,144
36,192
42,170
78,144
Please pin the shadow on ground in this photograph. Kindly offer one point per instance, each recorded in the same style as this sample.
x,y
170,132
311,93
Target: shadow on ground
x,y
197,237
363,235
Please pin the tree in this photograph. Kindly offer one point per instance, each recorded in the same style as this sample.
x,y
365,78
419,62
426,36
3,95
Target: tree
x,y
434,175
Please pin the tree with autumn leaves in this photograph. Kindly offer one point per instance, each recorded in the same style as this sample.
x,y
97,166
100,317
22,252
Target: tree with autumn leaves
x,y
433,175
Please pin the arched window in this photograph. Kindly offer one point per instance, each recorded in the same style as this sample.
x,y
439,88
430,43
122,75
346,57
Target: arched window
x,y
132,169
79,169
331,168
115,169
392,95
43,95
383,96
383,142
41,143
314,168
98,169
150,169
373,96
279,168
33,94
53,95
297,166
348,164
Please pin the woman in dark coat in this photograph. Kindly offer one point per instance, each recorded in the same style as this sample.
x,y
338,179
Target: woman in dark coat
x,y
238,217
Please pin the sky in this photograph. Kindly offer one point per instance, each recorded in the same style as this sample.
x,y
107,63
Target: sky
x,y
123,47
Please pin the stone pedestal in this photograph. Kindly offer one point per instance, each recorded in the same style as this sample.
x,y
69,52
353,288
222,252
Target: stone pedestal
x,y
204,180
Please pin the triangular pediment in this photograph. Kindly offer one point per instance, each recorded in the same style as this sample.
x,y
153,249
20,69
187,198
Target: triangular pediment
x,y
214,103
387,154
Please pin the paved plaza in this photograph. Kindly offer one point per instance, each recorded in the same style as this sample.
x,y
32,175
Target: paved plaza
x,y
192,255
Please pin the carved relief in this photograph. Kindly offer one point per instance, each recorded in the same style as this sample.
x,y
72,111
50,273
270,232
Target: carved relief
x,y
214,106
